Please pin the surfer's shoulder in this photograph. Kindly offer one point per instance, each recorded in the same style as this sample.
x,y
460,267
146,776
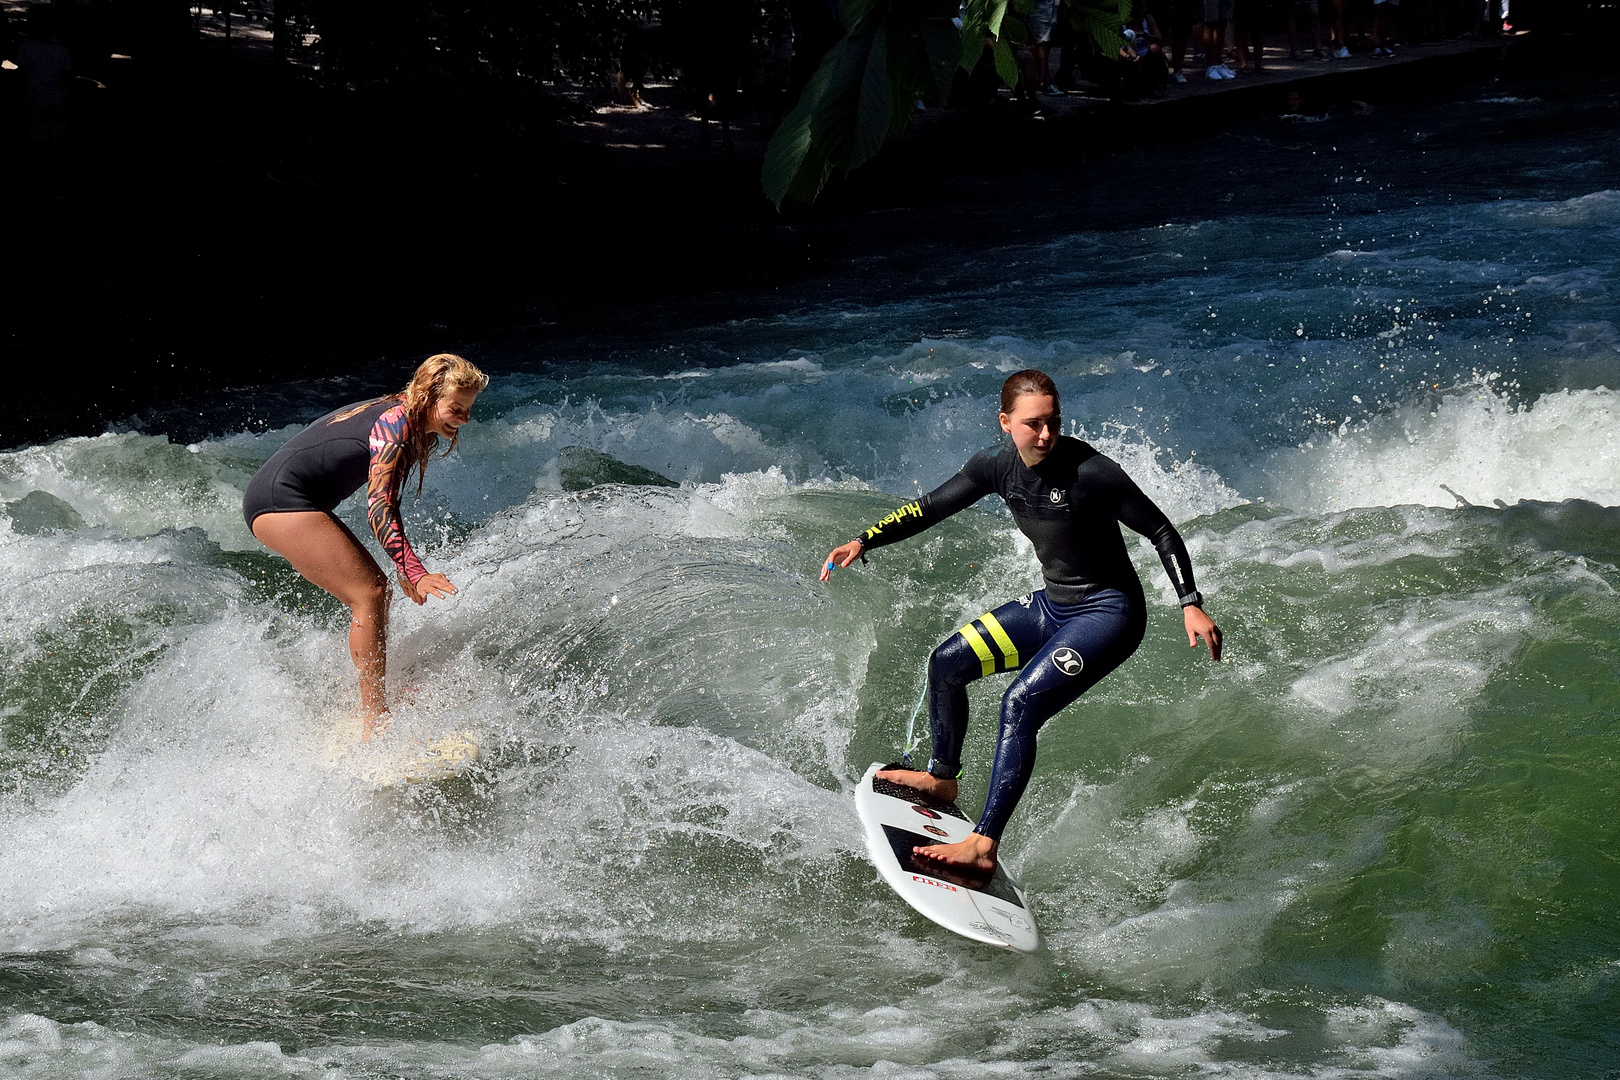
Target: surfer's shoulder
x,y
984,466
393,425
1080,454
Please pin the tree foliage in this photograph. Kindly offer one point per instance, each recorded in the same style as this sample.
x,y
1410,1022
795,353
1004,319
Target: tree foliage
x,y
894,53
897,53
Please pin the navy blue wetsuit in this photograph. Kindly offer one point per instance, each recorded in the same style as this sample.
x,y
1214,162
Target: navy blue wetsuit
x,y
1062,639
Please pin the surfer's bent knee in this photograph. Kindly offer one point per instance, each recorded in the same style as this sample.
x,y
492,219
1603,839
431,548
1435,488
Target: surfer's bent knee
x,y
952,663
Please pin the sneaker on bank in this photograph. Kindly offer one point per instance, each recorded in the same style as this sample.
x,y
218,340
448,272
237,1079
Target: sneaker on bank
x,y
1213,72
1179,77
1342,54
1227,73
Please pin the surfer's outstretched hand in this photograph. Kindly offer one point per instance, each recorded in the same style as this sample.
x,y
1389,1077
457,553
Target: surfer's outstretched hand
x,y
976,853
1200,625
429,585
842,555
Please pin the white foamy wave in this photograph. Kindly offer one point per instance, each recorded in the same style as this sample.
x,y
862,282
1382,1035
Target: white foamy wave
x,y
1597,208
140,484
947,1032
217,800
522,446
1182,489
1473,441
618,728
1400,697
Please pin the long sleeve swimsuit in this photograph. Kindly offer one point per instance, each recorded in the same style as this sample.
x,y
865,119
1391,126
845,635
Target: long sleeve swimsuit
x,y
366,443
1062,639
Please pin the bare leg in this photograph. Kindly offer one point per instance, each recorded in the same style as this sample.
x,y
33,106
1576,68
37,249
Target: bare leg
x,y
328,555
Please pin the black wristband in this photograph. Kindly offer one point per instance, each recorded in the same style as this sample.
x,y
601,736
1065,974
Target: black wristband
x,y
1193,599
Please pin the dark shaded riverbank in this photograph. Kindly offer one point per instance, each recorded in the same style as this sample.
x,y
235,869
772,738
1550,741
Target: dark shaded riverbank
x,y
264,231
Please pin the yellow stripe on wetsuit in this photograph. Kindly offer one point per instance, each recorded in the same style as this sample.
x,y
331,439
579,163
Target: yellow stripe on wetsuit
x,y
987,659
1008,649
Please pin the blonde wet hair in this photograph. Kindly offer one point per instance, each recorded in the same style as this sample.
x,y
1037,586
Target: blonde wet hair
x,y
438,375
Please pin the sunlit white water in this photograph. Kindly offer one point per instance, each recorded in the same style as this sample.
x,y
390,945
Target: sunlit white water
x,y
1393,458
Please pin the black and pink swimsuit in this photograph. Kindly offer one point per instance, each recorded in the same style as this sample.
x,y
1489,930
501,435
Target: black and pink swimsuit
x,y
328,461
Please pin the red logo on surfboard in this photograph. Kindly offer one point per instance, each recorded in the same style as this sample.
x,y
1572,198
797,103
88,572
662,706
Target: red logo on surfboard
x,y
935,884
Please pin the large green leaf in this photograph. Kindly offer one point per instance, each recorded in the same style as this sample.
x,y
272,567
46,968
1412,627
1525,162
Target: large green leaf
x,y
1006,66
972,46
817,133
1101,21
896,53
876,108
992,22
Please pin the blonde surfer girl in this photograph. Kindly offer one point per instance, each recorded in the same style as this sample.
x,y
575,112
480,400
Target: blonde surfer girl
x,y
289,504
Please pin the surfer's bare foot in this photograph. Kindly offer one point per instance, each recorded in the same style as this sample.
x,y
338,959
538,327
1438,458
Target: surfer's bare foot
x,y
975,853
925,782
373,725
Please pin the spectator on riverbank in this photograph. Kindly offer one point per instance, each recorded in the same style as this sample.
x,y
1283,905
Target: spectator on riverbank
x,y
1147,71
1040,20
1331,17
642,38
1303,13
817,26
1248,34
1383,12
1180,19
1216,14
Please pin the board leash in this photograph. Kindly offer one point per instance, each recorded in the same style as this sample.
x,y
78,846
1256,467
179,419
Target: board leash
x,y
911,728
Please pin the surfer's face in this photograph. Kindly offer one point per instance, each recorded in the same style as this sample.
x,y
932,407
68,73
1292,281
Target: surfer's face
x,y
450,412
1033,425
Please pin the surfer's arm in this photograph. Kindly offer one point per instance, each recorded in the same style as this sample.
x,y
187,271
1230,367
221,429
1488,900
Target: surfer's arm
x,y
389,439
1140,514
959,492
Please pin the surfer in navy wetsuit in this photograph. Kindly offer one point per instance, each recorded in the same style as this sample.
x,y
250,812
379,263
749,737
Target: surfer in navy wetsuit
x,y
289,502
1062,640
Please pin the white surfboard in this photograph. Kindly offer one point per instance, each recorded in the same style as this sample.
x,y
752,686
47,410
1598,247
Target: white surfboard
x,y
399,756
416,761
897,819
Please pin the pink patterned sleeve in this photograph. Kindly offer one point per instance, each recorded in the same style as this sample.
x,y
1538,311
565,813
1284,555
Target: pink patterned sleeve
x,y
390,435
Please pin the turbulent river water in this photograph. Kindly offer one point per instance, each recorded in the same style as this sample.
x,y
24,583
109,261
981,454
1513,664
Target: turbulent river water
x,y
1378,840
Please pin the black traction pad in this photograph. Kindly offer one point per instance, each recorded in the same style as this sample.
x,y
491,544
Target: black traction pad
x,y
917,798
903,840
